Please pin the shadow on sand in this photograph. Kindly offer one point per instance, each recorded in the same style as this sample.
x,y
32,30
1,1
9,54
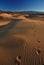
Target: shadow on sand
x,y
5,29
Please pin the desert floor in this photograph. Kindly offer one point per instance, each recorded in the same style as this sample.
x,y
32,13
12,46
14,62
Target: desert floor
x,y
18,32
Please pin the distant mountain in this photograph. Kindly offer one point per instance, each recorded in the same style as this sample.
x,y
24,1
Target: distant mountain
x,y
36,12
31,12
23,12
1,11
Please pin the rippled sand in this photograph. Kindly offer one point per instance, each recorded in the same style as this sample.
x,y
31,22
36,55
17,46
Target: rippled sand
x,y
21,35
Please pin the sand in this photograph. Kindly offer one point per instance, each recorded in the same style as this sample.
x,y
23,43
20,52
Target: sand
x,y
21,36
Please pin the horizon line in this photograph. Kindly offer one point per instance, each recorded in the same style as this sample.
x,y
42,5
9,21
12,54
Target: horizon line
x,y
22,10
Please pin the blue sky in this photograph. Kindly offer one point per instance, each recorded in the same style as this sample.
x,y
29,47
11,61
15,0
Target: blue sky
x,y
22,5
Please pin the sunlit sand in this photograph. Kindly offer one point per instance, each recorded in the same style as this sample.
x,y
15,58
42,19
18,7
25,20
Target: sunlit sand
x,y
22,34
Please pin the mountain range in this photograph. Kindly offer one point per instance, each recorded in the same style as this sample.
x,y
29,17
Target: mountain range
x,y
23,12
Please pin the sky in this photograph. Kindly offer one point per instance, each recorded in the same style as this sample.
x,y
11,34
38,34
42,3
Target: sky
x,y
22,5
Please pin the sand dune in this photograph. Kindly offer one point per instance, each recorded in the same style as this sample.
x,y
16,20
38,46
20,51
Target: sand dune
x,y
4,23
6,15
21,35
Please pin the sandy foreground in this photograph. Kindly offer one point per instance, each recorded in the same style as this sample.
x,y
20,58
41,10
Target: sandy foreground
x,y
17,34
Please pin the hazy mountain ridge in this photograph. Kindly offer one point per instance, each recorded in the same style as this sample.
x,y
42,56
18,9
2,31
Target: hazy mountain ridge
x,y
22,12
